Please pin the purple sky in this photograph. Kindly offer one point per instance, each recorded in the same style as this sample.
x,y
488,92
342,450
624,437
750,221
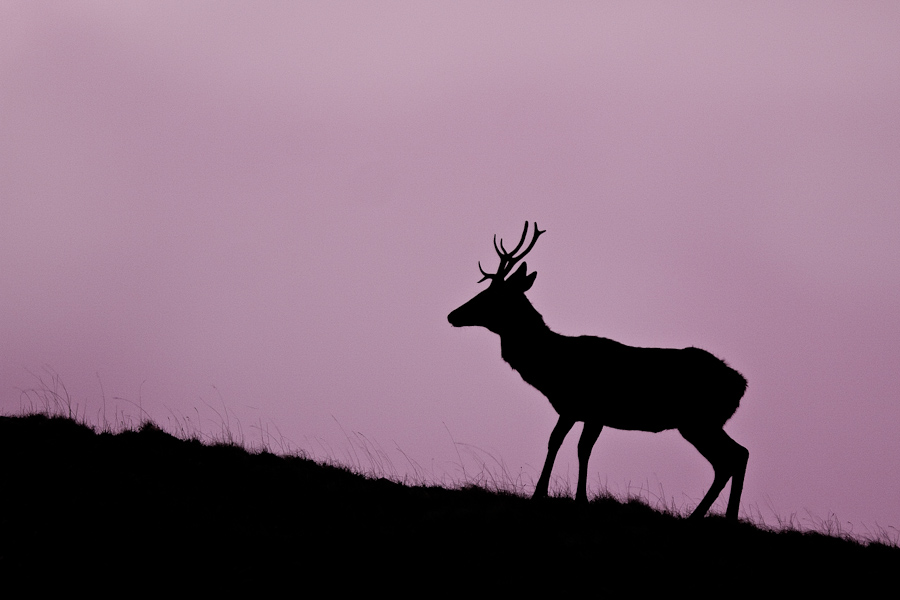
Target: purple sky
x,y
270,208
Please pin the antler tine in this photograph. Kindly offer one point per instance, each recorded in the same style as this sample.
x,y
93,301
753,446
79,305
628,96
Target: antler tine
x,y
519,245
486,275
508,259
537,234
502,270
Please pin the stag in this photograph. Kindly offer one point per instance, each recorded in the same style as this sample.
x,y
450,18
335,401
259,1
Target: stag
x,y
602,382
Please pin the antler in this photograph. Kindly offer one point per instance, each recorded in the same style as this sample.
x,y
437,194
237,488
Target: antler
x,y
508,259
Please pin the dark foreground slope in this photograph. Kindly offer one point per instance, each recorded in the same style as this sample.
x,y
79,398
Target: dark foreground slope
x,y
144,509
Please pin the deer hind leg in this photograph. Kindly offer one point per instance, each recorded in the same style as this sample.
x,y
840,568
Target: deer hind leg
x,y
556,439
729,461
589,436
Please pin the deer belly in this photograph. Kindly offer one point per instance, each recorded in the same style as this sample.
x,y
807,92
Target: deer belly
x,y
641,418
636,412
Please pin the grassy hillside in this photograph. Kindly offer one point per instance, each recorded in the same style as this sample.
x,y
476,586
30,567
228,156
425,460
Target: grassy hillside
x,y
142,509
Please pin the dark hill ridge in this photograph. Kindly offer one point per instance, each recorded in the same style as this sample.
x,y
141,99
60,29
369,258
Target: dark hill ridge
x,y
81,509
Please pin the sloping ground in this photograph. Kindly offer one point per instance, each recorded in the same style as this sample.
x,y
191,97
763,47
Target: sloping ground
x,y
142,509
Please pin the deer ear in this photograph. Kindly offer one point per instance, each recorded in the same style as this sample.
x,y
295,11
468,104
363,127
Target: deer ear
x,y
522,281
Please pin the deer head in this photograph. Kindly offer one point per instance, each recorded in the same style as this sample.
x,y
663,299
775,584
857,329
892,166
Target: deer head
x,y
502,305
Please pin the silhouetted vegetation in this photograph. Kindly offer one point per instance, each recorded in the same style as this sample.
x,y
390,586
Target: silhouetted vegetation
x,y
143,509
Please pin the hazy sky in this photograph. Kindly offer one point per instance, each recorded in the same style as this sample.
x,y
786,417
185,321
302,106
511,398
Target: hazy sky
x,y
269,208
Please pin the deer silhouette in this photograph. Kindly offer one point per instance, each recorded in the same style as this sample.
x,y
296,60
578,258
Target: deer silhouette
x,y
605,383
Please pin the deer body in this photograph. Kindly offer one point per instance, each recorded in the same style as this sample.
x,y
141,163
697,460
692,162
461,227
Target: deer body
x,y
643,389
602,382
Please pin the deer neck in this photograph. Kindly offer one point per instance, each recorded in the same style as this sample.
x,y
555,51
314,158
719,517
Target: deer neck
x,y
524,339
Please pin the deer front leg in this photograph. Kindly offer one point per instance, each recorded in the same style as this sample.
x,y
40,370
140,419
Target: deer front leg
x,y
556,439
589,436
